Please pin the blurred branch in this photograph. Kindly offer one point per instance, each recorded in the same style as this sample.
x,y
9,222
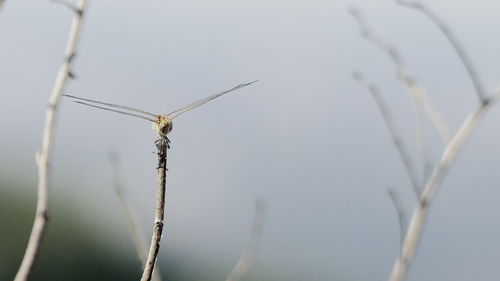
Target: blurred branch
x,y
247,257
396,136
44,155
138,238
419,216
415,90
459,49
1,4
423,144
67,4
162,145
398,206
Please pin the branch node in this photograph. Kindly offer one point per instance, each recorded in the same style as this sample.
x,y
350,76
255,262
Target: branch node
x,y
72,75
45,215
423,202
70,58
79,12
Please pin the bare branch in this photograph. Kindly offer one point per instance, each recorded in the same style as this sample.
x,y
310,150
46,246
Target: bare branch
x,y
415,90
137,237
419,216
44,155
398,206
396,136
162,145
423,144
1,4
68,5
247,257
459,49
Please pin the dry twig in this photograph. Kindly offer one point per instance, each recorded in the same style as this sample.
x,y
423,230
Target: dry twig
x,y
423,144
453,146
416,91
162,145
68,5
43,156
419,216
137,237
247,257
398,206
396,136
448,33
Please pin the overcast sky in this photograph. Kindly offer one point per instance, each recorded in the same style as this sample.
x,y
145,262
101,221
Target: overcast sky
x,y
306,138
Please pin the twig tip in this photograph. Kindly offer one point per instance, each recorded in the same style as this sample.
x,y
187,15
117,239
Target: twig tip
x,y
250,83
357,75
354,11
260,204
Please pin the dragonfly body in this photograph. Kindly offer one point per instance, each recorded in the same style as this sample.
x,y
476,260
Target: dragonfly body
x,y
162,124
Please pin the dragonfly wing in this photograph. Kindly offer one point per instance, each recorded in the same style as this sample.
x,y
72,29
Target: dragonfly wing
x,y
111,105
178,112
117,111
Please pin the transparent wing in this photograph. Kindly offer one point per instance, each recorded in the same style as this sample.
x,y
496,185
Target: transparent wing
x,y
117,111
176,113
110,105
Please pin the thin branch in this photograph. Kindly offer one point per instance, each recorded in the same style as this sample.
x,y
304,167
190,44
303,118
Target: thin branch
x,y
138,238
398,206
423,144
459,49
419,216
44,155
415,90
1,4
162,145
396,136
67,4
247,257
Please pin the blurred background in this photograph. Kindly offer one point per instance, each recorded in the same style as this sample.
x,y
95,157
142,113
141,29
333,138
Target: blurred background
x,y
306,138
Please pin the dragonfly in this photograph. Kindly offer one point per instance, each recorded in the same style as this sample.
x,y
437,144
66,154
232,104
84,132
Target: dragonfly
x,y
162,123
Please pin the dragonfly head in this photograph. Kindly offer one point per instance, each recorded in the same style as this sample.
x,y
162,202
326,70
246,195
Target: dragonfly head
x,y
162,125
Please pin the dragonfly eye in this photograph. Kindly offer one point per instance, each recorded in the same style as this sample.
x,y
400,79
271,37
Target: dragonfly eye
x,y
166,128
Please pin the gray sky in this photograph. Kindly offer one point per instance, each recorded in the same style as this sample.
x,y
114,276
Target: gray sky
x,y
306,137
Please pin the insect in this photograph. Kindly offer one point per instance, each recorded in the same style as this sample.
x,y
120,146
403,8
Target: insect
x,y
162,124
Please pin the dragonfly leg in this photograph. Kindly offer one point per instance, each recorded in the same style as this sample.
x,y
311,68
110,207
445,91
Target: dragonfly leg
x,y
162,141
